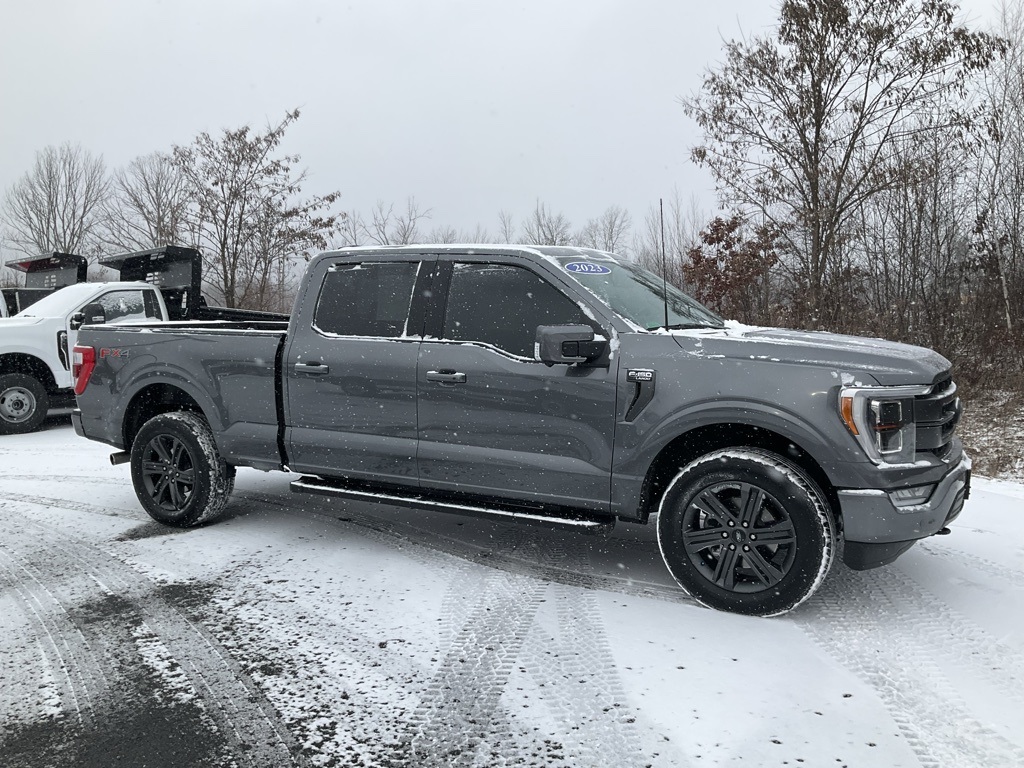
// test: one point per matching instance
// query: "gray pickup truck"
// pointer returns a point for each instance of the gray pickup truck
(559, 386)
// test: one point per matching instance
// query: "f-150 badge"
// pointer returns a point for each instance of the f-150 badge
(644, 393)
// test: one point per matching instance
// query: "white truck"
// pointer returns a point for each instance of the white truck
(35, 371)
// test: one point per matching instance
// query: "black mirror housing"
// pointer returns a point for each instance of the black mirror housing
(568, 344)
(91, 313)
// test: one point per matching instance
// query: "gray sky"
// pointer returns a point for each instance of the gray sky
(472, 107)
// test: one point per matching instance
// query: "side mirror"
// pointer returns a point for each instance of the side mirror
(570, 344)
(91, 313)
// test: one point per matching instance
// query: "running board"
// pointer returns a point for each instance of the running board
(576, 521)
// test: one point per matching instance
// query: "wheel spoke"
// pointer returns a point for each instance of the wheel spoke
(175, 491)
(707, 502)
(780, 533)
(751, 502)
(177, 449)
(766, 573)
(725, 568)
(161, 486)
(696, 541)
(160, 449)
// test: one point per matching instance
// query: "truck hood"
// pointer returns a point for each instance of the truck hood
(19, 322)
(865, 359)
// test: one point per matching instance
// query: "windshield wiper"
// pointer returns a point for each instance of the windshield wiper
(685, 327)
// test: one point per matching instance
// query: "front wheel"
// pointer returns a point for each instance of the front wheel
(747, 531)
(23, 403)
(179, 477)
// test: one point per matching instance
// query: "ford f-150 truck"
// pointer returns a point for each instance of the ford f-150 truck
(35, 373)
(550, 385)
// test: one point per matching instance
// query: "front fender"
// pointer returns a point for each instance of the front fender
(639, 445)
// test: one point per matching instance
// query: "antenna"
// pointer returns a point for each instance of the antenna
(664, 265)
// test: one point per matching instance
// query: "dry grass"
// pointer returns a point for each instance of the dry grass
(992, 429)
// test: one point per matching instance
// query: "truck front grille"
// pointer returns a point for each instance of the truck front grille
(936, 415)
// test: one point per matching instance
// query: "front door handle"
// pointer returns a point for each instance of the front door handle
(315, 367)
(446, 377)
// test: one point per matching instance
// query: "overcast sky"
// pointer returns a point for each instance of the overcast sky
(472, 107)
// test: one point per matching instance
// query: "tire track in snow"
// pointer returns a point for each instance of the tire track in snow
(470, 715)
(228, 697)
(67, 658)
(343, 687)
(936, 625)
(854, 617)
(456, 712)
(12, 501)
(598, 727)
(1010, 576)
(424, 545)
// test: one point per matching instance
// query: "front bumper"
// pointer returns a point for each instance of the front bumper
(877, 531)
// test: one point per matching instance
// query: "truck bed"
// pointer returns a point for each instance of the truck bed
(230, 369)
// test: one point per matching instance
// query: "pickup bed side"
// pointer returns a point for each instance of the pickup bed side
(231, 376)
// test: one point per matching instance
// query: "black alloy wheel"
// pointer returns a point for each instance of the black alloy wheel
(179, 477)
(747, 531)
(168, 473)
(739, 537)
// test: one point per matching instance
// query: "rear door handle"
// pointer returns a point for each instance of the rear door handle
(315, 367)
(446, 377)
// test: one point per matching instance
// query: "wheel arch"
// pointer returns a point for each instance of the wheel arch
(152, 400)
(20, 362)
(706, 438)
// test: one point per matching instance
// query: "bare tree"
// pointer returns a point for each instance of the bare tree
(246, 212)
(57, 206)
(478, 235)
(148, 205)
(683, 222)
(390, 228)
(444, 234)
(351, 231)
(999, 231)
(799, 127)
(608, 232)
(546, 228)
(506, 227)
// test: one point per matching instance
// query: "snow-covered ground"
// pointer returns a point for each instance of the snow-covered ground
(304, 631)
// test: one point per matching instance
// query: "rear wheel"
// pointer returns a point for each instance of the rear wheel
(23, 403)
(746, 531)
(179, 477)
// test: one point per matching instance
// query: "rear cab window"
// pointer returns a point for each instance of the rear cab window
(366, 299)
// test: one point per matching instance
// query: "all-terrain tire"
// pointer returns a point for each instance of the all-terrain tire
(179, 476)
(23, 403)
(747, 531)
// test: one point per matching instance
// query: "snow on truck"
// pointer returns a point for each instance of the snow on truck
(559, 386)
(35, 346)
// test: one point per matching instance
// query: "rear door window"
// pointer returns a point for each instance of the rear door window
(366, 299)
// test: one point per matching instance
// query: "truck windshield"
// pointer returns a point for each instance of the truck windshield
(638, 295)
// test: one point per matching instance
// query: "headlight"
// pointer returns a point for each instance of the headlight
(882, 421)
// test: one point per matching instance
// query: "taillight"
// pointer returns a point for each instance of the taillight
(83, 360)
